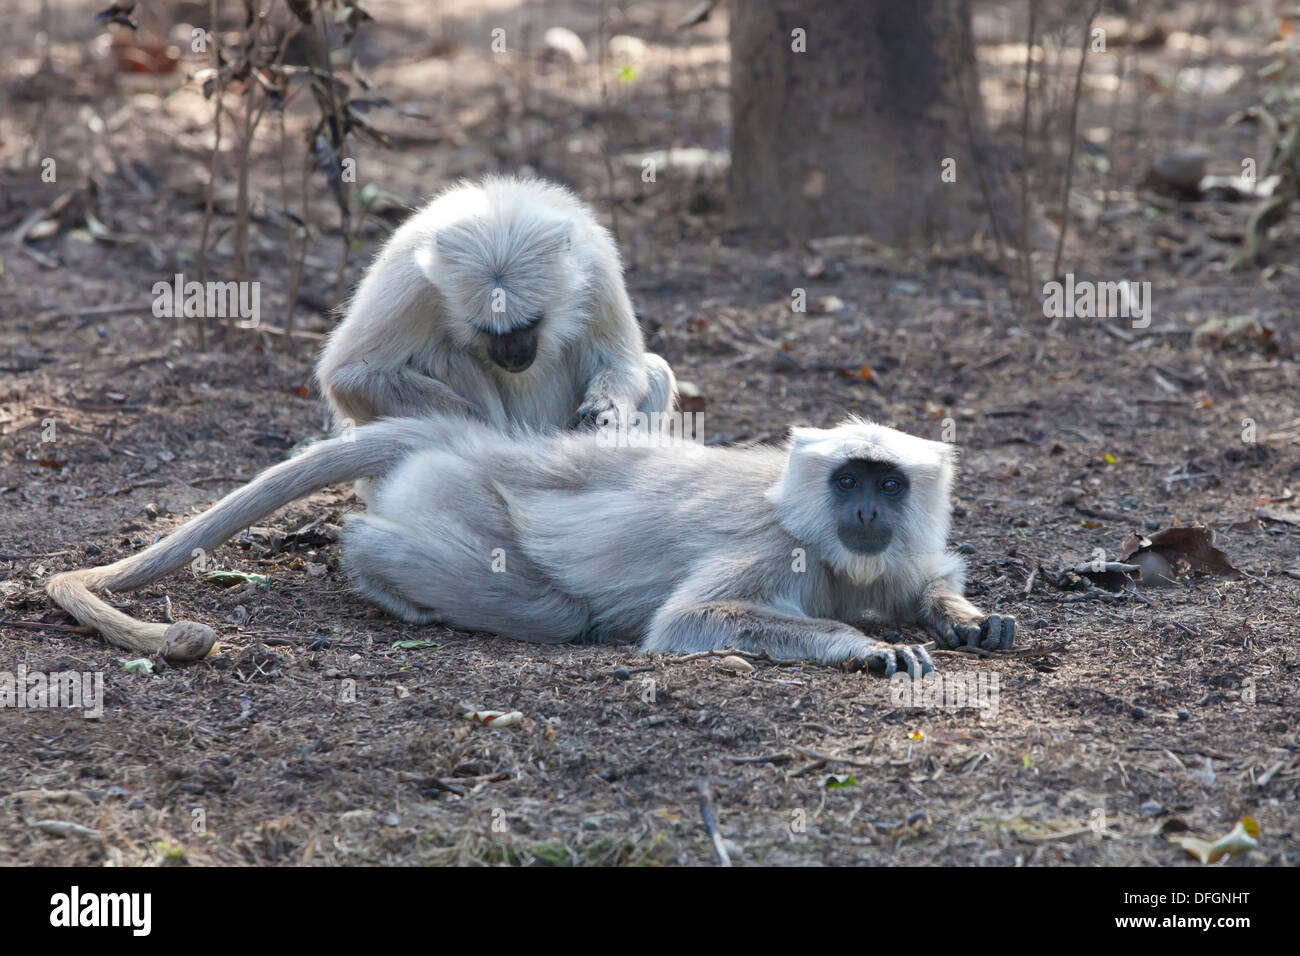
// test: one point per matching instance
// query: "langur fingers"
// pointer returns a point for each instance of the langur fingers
(991, 633)
(882, 658)
(594, 414)
(998, 632)
(915, 659)
(1008, 631)
(946, 636)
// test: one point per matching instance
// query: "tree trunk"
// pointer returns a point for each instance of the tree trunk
(854, 134)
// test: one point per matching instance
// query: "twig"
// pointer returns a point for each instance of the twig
(818, 755)
(1025, 248)
(711, 823)
(68, 311)
(218, 92)
(1074, 136)
(765, 758)
(38, 626)
(1025, 652)
(732, 652)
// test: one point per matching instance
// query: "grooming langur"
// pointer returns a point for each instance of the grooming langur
(503, 299)
(682, 547)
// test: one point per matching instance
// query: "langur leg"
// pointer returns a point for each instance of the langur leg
(715, 625)
(955, 621)
(663, 386)
(457, 576)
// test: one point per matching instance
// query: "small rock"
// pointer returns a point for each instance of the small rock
(1137, 713)
(621, 673)
(566, 44)
(966, 549)
(1151, 809)
(1184, 715)
(389, 819)
(737, 664)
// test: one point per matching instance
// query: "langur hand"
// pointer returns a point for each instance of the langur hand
(596, 411)
(957, 622)
(888, 658)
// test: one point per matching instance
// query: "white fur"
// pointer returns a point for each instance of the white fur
(491, 255)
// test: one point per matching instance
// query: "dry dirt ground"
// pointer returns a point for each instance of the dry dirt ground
(317, 737)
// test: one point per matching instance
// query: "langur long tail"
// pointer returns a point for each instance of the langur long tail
(371, 452)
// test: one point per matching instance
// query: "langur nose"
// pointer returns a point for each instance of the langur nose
(514, 351)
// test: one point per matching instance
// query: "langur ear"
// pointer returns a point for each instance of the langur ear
(802, 437)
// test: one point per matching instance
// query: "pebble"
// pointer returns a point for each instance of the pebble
(1138, 713)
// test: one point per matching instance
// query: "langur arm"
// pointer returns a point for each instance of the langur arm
(363, 393)
(618, 382)
(714, 625)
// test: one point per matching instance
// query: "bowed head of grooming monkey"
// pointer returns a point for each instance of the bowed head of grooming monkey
(503, 299)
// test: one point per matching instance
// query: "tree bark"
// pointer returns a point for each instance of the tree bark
(851, 136)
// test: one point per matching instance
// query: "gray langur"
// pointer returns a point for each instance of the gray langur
(678, 546)
(502, 299)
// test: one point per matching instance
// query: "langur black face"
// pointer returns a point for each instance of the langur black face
(869, 497)
(515, 350)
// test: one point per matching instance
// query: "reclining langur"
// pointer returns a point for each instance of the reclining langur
(503, 299)
(682, 548)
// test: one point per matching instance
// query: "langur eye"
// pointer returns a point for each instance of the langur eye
(891, 486)
(847, 482)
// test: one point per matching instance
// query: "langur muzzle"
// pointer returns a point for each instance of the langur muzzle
(515, 350)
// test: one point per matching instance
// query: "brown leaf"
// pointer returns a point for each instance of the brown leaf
(1186, 550)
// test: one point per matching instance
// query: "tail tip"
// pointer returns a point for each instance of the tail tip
(187, 641)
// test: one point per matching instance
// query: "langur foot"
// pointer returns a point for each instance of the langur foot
(888, 657)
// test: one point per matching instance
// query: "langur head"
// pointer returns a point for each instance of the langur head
(506, 268)
(865, 496)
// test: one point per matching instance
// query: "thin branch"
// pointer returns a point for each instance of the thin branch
(1074, 137)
